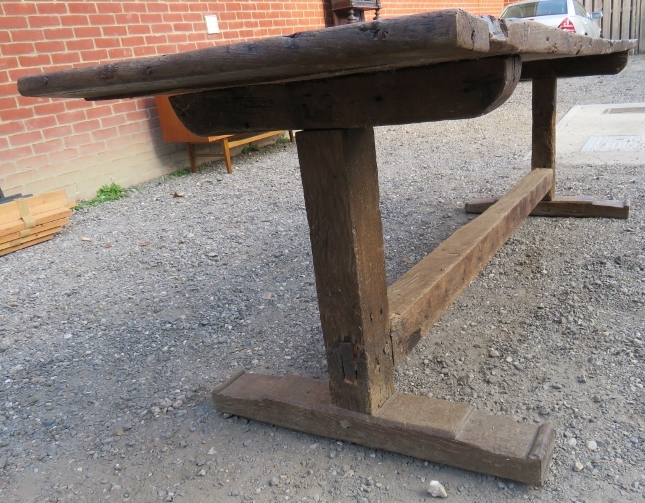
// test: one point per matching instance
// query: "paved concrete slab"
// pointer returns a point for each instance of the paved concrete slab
(602, 134)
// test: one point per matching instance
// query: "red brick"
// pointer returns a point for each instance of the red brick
(128, 18)
(94, 56)
(81, 7)
(13, 22)
(7, 128)
(63, 155)
(83, 44)
(107, 42)
(31, 162)
(98, 111)
(49, 108)
(76, 104)
(121, 107)
(57, 132)
(74, 20)
(114, 120)
(133, 41)
(71, 117)
(175, 38)
(172, 17)
(157, 7)
(50, 46)
(51, 8)
(134, 7)
(77, 139)
(115, 31)
(151, 18)
(5, 36)
(109, 7)
(85, 126)
(182, 27)
(120, 53)
(16, 49)
(43, 21)
(102, 19)
(58, 33)
(104, 134)
(138, 29)
(16, 153)
(87, 32)
(7, 103)
(95, 147)
(147, 50)
(65, 58)
(36, 60)
(26, 138)
(193, 17)
(161, 28)
(48, 146)
(152, 40)
(18, 8)
(40, 122)
(16, 114)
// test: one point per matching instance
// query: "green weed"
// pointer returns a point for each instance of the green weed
(111, 192)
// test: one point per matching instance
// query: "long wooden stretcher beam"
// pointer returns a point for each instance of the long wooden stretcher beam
(422, 294)
(441, 431)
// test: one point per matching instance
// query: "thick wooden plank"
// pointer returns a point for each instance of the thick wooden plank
(615, 19)
(397, 42)
(422, 294)
(417, 40)
(446, 432)
(21, 246)
(33, 233)
(39, 218)
(41, 203)
(433, 93)
(543, 129)
(604, 64)
(565, 206)
(340, 182)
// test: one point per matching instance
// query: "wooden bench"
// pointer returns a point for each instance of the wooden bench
(444, 65)
(174, 131)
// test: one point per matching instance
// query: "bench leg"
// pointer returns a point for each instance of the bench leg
(191, 157)
(340, 182)
(543, 156)
(292, 137)
(543, 138)
(227, 155)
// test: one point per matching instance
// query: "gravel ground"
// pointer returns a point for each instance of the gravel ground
(110, 346)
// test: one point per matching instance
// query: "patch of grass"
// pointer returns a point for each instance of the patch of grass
(181, 172)
(112, 192)
(252, 147)
(283, 139)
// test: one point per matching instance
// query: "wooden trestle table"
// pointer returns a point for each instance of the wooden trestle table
(335, 85)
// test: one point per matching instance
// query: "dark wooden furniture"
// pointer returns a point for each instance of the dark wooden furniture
(353, 11)
(174, 131)
(427, 67)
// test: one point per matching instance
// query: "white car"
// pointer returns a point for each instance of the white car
(568, 15)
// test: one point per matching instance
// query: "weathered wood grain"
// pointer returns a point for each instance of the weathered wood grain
(544, 100)
(565, 206)
(604, 64)
(440, 431)
(398, 42)
(418, 40)
(340, 182)
(433, 93)
(422, 294)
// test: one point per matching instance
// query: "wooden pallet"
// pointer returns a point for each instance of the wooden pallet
(26, 221)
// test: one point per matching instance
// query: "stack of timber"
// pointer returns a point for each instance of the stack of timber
(26, 221)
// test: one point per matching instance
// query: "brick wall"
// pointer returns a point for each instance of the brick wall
(77, 145)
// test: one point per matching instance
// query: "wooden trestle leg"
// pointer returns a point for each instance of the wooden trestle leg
(543, 156)
(358, 403)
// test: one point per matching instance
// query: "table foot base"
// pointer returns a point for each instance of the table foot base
(564, 206)
(452, 433)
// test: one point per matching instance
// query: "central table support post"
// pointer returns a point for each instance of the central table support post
(543, 138)
(340, 182)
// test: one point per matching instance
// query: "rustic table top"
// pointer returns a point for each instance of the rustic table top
(408, 41)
